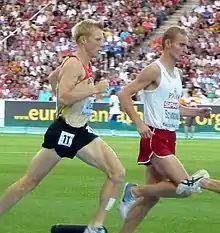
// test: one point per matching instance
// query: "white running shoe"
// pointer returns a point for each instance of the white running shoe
(95, 230)
(127, 200)
(191, 185)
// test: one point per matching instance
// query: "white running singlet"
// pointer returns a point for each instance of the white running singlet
(161, 105)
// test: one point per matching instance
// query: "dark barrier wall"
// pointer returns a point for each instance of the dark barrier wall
(41, 114)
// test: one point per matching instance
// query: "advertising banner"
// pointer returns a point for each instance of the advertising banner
(41, 114)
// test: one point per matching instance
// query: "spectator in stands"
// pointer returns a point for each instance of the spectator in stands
(39, 44)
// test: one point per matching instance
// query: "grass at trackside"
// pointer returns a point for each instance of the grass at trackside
(69, 194)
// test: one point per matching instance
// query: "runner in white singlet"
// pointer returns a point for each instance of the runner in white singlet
(163, 102)
(161, 87)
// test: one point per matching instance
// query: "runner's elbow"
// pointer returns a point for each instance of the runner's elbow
(62, 101)
(122, 95)
(65, 98)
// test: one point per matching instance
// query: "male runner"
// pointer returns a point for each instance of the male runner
(161, 87)
(114, 111)
(69, 136)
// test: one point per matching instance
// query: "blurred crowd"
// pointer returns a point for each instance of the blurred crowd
(29, 55)
(41, 41)
(201, 67)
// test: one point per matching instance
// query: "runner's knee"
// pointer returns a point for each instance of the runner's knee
(117, 174)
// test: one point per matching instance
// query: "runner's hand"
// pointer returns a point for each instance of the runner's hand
(144, 130)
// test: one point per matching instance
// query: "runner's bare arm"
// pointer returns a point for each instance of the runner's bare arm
(70, 90)
(146, 77)
(188, 111)
(53, 79)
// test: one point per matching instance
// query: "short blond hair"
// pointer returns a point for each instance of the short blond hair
(85, 28)
(171, 32)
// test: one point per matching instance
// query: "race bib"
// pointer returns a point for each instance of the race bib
(171, 115)
(88, 107)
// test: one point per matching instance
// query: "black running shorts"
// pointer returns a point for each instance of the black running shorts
(67, 140)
